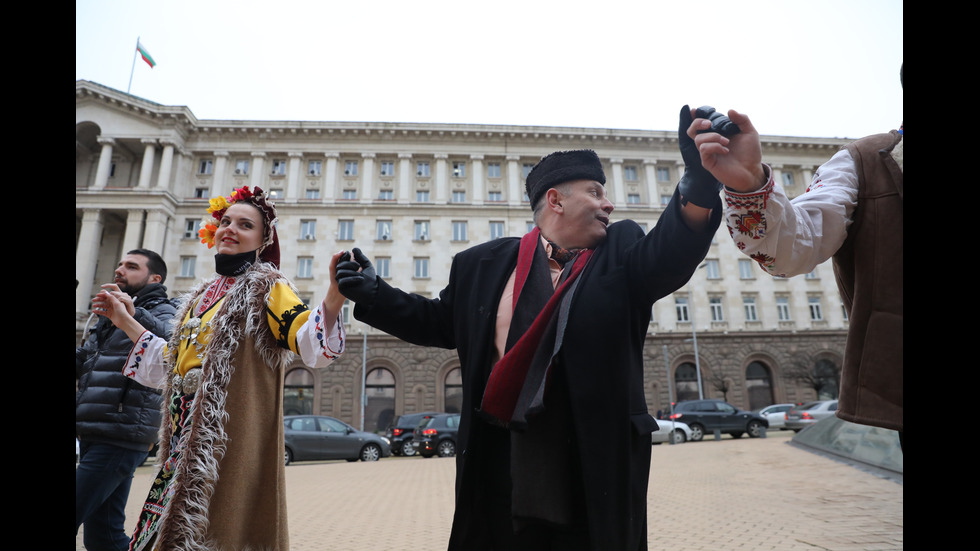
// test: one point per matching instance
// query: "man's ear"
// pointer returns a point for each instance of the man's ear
(553, 198)
(155, 278)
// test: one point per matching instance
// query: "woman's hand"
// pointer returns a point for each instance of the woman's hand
(334, 300)
(118, 307)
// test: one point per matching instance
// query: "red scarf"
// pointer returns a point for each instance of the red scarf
(510, 374)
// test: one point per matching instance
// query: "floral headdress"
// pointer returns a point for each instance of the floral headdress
(257, 198)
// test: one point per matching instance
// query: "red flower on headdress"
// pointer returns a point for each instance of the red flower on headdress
(241, 194)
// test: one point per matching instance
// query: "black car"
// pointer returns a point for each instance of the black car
(437, 435)
(316, 437)
(711, 415)
(401, 430)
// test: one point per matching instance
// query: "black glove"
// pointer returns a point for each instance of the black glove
(719, 123)
(357, 279)
(697, 185)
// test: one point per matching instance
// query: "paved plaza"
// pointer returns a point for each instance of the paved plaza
(746, 494)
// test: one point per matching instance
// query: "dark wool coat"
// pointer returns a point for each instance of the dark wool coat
(602, 359)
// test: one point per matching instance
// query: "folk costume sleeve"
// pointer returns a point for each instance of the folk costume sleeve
(146, 363)
(789, 238)
(318, 341)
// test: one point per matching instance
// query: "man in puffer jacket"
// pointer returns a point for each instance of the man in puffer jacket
(116, 418)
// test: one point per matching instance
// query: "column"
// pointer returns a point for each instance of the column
(514, 193)
(156, 231)
(650, 173)
(479, 194)
(367, 178)
(293, 191)
(442, 178)
(132, 239)
(220, 166)
(146, 167)
(166, 165)
(258, 165)
(614, 189)
(86, 257)
(105, 163)
(330, 171)
(404, 178)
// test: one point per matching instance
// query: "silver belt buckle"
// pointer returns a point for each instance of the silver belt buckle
(190, 382)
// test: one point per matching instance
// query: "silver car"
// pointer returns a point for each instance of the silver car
(801, 417)
(680, 432)
(775, 414)
(316, 437)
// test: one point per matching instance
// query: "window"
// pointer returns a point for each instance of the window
(422, 169)
(459, 230)
(495, 196)
(187, 264)
(633, 198)
(382, 266)
(345, 230)
(812, 274)
(307, 229)
(496, 230)
(663, 174)
(782, 309)
(191, 225)
(387, 168)
(787, 179)
(276, 193)
(749, 304)
(386, 195)
(315, 168)
(717, 309)
(745, 269)
(422, 196)
(206, 166)
(459, 197)
(112, 169)
(680, 304)
(493, 170)
(664, 200)
(384, 230)
(345, 312)
(380, 405)
(241, 167)
(629, 173)
(453, 391)
(304, 267)
(422, 230)
(816, 312)
(526, 169)
(459, 169)
(421, 267)
(349, 194)
(350, 168)
(313, 193)
(202, 193)
(711, 269)
(529, 226)
(278, 167)
(843, 309)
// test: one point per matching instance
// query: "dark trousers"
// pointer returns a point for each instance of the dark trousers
(102, 481)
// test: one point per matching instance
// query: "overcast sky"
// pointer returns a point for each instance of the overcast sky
(816, 68)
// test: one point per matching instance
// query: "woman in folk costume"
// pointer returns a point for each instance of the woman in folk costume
(221, 482)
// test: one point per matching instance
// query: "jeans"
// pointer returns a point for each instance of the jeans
(102, 480)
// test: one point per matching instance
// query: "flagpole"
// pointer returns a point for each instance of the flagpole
(133, 68)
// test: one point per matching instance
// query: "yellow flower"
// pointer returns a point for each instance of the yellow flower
(218, 203)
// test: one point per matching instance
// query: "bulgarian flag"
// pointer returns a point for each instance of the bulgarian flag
(145, 54)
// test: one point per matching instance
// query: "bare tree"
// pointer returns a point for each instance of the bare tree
(721, 384)
(822, 376)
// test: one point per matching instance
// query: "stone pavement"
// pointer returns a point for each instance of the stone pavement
(746, 494)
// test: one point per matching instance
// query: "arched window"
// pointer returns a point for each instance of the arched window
(758, 380)
(297, 392)
(686, 382)
(453, 391)
(828, 375)
(380, 407)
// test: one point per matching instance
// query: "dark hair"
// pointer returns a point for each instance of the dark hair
(154, 263)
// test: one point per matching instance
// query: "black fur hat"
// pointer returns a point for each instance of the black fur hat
(560, 167)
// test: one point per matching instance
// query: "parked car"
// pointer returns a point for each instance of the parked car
(313, 437)
(710, 415)
(802, 416)
(437, 435)
(680, 432)
(775, 414)
(401, 430)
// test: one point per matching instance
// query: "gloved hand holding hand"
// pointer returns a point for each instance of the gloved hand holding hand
(719, 123)
(697, 185)
(357, 278)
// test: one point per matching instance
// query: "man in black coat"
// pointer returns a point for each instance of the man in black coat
(554, 438)
(116, 418)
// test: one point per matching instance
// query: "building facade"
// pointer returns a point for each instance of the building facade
(413, 195)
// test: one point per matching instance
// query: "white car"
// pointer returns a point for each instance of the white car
(776, 415)
(679, 431)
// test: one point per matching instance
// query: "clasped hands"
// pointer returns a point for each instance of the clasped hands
(726, 149)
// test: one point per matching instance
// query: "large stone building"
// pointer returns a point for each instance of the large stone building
(413, 195)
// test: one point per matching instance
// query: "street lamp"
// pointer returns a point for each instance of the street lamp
(363, 332)
(694, 331)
